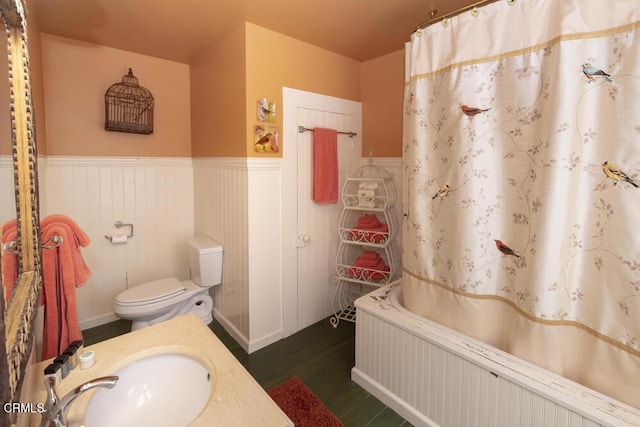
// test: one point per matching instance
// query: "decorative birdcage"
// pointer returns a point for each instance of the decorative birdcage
(128, 107)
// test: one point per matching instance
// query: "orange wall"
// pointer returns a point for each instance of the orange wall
(275, 60)
(218, 87)
(37, 94)
(5, 119)
(207, 108)
(76, 77)
(382, 98)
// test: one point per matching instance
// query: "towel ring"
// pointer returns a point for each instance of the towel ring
(11, 247)
(52, 242)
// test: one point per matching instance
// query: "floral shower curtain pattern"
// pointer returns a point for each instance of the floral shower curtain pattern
(521, 174)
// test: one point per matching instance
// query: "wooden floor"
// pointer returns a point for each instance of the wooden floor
(320, 355)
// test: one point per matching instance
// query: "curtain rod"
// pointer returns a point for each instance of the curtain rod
(455, 12)
(302, 129)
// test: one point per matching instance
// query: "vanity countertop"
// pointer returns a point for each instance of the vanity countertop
(237, 399)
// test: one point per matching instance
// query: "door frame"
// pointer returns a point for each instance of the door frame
(292, 100)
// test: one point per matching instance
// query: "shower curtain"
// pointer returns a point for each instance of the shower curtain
(521, 168)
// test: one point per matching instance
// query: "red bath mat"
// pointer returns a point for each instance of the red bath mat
(303, 407)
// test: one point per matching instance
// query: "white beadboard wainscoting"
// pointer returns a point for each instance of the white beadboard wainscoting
(238, 202)
(7, 191)
(153, 194)
(434, 376)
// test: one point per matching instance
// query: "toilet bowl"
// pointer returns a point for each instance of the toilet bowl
(159, 300)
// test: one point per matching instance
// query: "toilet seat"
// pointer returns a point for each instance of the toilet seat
(151, 292)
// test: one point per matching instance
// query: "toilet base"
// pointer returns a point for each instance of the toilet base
(200, 304)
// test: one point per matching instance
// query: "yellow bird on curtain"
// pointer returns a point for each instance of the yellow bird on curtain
(616, 174)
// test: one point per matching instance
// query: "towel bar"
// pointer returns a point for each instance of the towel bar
(51, 243)
(302, 129)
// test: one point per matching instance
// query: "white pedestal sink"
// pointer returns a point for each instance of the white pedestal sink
(164, 390)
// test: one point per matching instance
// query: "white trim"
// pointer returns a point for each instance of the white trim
(240, 163)
(255, 345)
(231, 329)
(97, 321)
(117, 161)
(385, 396)
(247, 345)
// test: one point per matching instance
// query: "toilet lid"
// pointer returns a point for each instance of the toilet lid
(151, 292)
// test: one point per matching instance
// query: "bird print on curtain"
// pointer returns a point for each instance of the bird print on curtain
(592, 72)
(616, 174)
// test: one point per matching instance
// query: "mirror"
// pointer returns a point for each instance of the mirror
(20, 305)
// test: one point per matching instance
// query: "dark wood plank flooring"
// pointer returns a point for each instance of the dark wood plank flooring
(321, 356)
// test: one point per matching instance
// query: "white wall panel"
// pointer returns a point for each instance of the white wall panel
(153, 194)
(221, 213)
(238, 203)
(265, 252)
(7, 192)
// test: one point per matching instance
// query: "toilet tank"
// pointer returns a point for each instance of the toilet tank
(205, 261)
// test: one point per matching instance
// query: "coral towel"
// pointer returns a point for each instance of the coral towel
(325, 165)
(63, 270)
(9, 260)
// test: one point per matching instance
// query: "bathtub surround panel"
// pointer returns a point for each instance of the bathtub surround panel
(238, 203)
(434, 376)
(153, 194)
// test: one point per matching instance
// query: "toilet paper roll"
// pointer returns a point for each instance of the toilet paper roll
(118, 238)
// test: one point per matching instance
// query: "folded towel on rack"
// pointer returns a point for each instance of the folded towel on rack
(362, 271)
(79, 235)
(9, 260)
(325, 165)
(368, 221)
(79, 238)
(63, 270)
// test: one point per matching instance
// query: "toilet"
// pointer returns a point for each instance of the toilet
(153, 302)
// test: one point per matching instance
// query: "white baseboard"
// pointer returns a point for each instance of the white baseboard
(232, 330)
(247, 345)
(265, 341)
(97, 321)
(406, 411)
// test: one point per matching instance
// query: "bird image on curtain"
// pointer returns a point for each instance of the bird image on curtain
(521, 168)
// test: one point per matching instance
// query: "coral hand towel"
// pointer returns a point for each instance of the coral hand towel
(9, 260)
(325, 165)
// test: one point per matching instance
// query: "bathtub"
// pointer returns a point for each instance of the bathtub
(434, 376)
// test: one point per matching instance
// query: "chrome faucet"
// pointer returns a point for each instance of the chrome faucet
(56, 408)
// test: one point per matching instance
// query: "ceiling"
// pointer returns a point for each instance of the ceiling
(178, 29)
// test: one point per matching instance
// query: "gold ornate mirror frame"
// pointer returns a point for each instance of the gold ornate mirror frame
(20, 309)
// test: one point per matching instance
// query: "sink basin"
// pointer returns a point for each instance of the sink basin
(164, 390)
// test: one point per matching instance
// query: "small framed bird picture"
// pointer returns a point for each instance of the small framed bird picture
(265, 139)
(266, 111)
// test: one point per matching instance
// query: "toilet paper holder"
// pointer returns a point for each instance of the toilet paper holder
(118, 225)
